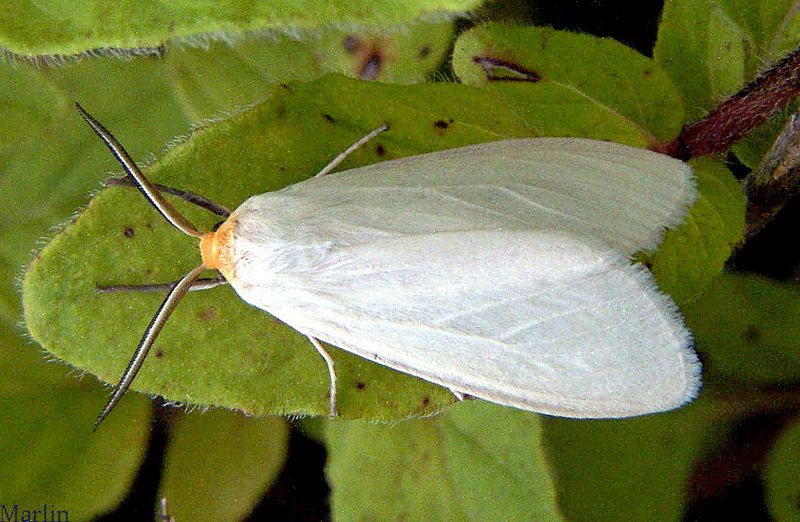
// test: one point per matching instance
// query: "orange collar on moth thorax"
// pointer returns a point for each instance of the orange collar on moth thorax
(216, 248)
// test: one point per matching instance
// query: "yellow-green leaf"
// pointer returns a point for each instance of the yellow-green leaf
(748, 328)
(49, 455)
(477, 461)
(53, 28)
(628, 469)
(692, 255)
(782, 487)
(589, 79)
(238, 457)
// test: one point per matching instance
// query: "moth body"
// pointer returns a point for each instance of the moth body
(478, 280)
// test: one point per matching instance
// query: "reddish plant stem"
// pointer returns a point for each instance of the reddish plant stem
(739, 114)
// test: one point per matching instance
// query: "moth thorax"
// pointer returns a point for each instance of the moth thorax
(216, 249)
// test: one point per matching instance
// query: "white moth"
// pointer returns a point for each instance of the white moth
(498, 270)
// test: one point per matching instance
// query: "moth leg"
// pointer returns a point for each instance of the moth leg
(200, 284)
(459, 395)
(163, 512)
(329, 361)
(352, 148)
(191, 197)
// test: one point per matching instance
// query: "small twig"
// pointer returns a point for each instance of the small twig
(776, 181)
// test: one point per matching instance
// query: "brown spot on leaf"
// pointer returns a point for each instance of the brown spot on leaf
(424, 52)
(360, 385)
(159, 353)
(751, 334)
(328, 117)
(371, 68)
(380, 151)
(351, 44)
(207, 313)
(440, 126)
(128, 232)
(426, 400)
(500, 70)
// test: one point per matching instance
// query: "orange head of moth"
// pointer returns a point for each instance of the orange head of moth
(216, 248)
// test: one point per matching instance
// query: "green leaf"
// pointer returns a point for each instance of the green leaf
(629, 469)
(748, 329)
(50, 163)
(782, 487)
(703, 49)
(589, 80)
(239, 457)
(212, 81)
(46, 460)
(693, 254)
(478, 461)
(33, 28)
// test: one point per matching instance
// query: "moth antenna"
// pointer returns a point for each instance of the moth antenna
(149, 337)
(152, 194)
